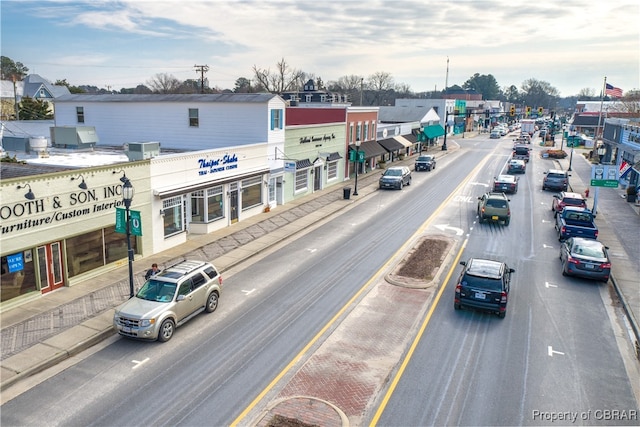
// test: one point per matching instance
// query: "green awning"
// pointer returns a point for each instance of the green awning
(433, 131)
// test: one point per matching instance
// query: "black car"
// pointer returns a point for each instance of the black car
(425, 163)
(505, 184)
(395, 177)
(483, 284)
(586, 258)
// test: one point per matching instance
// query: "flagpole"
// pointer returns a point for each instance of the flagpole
(595, 139)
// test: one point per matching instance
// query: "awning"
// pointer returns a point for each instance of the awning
(170, 192)
(390, 144)
(434, 131)
(411, 138)
(371, 149)
(303, 164)
(333, 157)
(402, 140)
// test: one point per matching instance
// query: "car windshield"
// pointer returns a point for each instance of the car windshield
(590, 251)
(522, 150)
(393, 172)
(496, 203)
(155, 290)
(487, 283)
(555, 175)
(424, 158)
(506, 178)
(573, 202)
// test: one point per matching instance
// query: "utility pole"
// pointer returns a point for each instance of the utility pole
(201, 69)
(361, 87)
(446, 79)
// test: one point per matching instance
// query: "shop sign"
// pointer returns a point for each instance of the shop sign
(221, 164)
(15, 262)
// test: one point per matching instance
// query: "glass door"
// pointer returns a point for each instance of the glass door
(50, 265)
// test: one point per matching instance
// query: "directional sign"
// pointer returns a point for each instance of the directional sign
(604, 176)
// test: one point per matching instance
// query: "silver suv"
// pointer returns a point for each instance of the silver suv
(168, 300)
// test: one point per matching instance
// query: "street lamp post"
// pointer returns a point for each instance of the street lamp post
(446, 128)
(127, 197)
(356, 165)
(570, 158)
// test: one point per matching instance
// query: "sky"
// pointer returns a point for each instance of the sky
(425, 44)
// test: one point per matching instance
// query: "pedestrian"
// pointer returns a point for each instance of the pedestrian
(152, 271)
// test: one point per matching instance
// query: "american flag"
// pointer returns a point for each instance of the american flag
(616, 92)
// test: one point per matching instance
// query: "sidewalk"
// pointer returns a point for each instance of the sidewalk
(49, 329)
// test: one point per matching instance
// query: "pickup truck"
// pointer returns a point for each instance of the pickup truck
(576, 222)
(521, 152)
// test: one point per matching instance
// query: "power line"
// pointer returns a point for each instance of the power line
(202, 69)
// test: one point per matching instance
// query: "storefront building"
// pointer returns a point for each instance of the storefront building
(621, 139)
(314, 149)
(202, 191)
(59, 228)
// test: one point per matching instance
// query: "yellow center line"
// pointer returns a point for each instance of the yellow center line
(344, 308)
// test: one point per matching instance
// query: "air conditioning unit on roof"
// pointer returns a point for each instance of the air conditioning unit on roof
(142, 150)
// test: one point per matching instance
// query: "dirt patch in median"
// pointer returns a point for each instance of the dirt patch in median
(423, 262)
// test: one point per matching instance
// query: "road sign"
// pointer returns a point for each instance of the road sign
(604, 176)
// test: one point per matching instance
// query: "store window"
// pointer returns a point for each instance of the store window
(95, 249)
(14, 283)
(332, 170)
(251, 192)
(173, 217)
(301, 180)
(207, 205)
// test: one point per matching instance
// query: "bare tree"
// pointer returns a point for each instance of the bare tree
(586, 93)
(164, 83)
(380, 81)
(282, 80)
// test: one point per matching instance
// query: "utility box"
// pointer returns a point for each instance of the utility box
(141, 150)
(74, 137)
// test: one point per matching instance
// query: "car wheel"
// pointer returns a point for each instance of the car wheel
(401, 185)
(409, 182)
(212, 302)
(166, 330)
(456, 306)
(506, 221)
(564, 269)
(501, 314)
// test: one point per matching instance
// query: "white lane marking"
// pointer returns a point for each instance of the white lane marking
(247, 293)
(443, 227)
(545, 246)
(312, 250)
(550, 285)
(138, 363)
(551, 352)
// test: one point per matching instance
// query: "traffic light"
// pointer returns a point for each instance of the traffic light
(540, 110)
(512, 110)
(528, 110)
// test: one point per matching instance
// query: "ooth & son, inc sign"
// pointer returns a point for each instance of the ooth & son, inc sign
(51, 210)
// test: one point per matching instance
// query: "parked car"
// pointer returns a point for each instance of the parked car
(395, 177)
(516, 166)
(494, 206)
(505, 184)
(425, 162)
(483, 284)
(556, 179)
(168, 300)
(495, 134)
(576, 222)
(565, 198)
(586, 258)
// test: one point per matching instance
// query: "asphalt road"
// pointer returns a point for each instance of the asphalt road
(469, 368)
(554, 355)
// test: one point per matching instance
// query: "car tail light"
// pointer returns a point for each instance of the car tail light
(572, 260)
(605, 265)
(596, 234)
(220, 279)
(503, 298)
(563, 230)
(482, 209)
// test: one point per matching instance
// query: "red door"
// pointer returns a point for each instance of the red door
(50, 264)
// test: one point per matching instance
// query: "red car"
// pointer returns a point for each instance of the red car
(566, 198)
